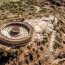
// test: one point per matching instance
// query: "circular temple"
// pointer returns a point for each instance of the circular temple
(15, 31)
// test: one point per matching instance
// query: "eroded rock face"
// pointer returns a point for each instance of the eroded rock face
(42, 27)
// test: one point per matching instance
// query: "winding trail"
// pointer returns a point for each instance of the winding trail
(51, 50)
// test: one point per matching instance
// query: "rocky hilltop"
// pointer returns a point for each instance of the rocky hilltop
(47, 46)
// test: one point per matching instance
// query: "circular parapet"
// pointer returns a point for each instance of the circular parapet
(16, 33)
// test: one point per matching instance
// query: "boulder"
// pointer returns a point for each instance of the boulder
(58, 2)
